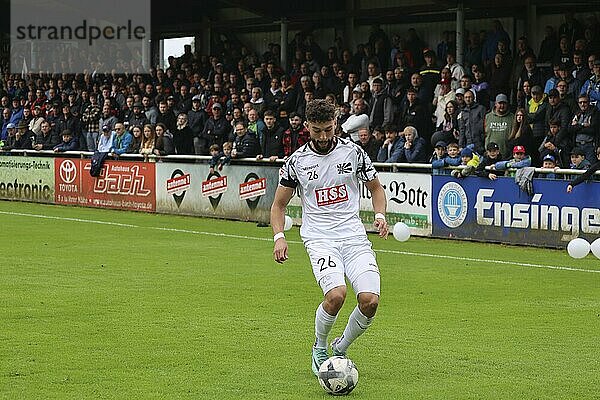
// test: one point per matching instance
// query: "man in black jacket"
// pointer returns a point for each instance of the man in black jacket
(368, 143)
(245, 144)
(584, 127)
(47, 138)
(272, 145)
(216, 129)
(197, 118)
(414, 113)
(166, 116)
(557, 111)
(68, 121)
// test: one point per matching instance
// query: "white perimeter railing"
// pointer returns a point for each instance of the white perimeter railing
(389, 167)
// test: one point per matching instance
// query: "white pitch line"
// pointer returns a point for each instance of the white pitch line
(410, 253)
(227, 235)
(91, 221)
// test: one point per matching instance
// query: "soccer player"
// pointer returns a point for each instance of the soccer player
(326, 172)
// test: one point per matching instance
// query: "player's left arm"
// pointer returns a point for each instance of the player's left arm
(379, 206)
(283, 195)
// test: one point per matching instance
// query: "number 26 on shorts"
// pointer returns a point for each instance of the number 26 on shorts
(324, 264)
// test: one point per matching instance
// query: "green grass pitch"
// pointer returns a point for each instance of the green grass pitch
(169, 307)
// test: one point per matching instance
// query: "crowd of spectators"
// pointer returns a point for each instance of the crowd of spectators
(400, 99)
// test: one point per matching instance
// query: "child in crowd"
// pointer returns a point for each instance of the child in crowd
(437, 158)
(549, 162)
(470, 160)
(216, 154)
(226, 159)
(441, 159)
(554, 144)
(220, 158)
(519, 160)
(491, 157)
(576, 180)
(578, 160)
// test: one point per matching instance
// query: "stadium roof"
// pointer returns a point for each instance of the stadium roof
(248, 15)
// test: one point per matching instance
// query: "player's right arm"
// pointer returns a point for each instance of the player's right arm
(283, 195)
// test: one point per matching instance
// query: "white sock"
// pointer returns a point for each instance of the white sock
(357, 325)
(323, 324)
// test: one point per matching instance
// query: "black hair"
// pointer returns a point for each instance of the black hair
(320, 110)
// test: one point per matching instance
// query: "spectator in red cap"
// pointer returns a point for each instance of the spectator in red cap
(519, 160)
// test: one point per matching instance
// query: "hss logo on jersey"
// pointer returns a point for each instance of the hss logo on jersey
(331, 195)
(344, 168)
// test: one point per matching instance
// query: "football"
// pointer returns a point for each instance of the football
(338, 375)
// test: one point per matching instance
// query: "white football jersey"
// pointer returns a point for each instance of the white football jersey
(328, 186)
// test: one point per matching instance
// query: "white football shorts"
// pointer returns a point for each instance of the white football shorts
(353, 257)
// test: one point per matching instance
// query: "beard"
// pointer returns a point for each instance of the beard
(322, 146)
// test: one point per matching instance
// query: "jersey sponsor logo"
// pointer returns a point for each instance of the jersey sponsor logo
(344, 168)
(331, 195)
(310, 167)
(452, 205)
(215, 186)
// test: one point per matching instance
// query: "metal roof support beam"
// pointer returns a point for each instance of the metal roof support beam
(284, 44)
(532, 25)
(460, 29)
(349, 26)
(206, 35)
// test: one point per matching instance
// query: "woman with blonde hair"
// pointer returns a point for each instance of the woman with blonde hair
(148, 140)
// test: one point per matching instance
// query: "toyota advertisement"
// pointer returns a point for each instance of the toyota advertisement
(121, 184)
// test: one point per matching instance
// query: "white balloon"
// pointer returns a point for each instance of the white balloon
(578, 248)
(401, 232)
(287, 225)
(595, 247)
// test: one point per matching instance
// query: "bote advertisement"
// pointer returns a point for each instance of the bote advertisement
(237, 192)
(499, 211)
(408, 200)
(122, 184)
(27, 179)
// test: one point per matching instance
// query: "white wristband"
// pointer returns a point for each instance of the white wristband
(380, 216)
(278, 235)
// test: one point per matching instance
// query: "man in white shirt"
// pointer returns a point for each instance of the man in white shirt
(359, 119)
(326, 172)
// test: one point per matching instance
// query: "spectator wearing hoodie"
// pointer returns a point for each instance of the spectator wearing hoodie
(392, 146)
(469, 160)
(491, 157)
(69, 142)
(471, 123)
(519, 160)
(498, 124)
(415, 147)
(272, 144)
(444, 156)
